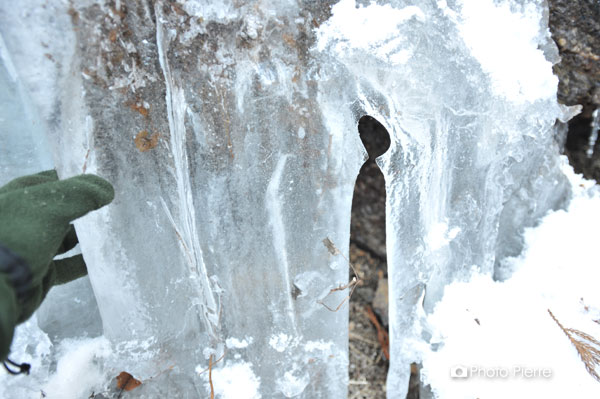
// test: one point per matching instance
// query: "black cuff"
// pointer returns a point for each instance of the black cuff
(17, 271)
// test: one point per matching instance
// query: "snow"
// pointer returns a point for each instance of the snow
(77, 372)
(439, 236)
(505, 43)
(234, 343)
(280, 342)
(499, 331)
(236, 381)
(375, 28)
(318, 346)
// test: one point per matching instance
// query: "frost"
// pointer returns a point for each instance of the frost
(280, 342)
(234, 343)
(322, 346)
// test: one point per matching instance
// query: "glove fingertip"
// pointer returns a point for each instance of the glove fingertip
(101, 189)
(69, 269)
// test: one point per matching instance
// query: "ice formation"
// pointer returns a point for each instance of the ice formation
(229, 132)
(530, 356)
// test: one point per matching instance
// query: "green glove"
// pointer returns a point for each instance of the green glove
(35, 216)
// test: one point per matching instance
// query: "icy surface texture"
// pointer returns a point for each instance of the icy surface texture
(24, 150)
(229, 132)
(466, 91)
(23, 146)
(228, 171)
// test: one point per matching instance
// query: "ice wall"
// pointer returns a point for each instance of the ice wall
(229, 132)
(24, 149)
(467, 93)
(23, 143)
(228, 176)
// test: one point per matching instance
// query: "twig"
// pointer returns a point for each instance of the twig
(382, 334)
(209, 363)
(587, 347)
(358, 382)
(212, 388)
(361, 338)
(209, 369)
(85, 160)
(356, 280)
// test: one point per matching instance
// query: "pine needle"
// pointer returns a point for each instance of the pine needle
(586, 345)
(212, 388)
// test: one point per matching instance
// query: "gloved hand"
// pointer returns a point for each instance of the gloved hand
(35, 216)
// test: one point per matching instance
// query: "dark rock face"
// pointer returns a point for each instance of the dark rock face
(575, 27)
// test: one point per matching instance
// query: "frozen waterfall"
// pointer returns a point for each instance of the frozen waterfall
(228, 129)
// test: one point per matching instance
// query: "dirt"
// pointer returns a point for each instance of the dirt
(368, 365)
(575, 27)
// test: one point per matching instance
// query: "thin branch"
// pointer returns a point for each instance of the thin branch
(382, 334)
(213, 364)
(212, 388)
(587, 347)
(356, 280)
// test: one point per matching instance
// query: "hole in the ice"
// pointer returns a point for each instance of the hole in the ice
(374, 136)
(369, 304)
(367, 229)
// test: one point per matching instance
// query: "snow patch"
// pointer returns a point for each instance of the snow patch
(280, 341)
(439, 236)
(234, 343)
(321, 345)
(503, 328)
(505, 42)
(235, 381)
(375, 28)
(78, 373)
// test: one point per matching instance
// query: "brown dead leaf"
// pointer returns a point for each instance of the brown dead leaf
(127, 382)
(289, 40)
(112, 35)
(140, 108)
(144, 142)
(74, 15)
(330, 246)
